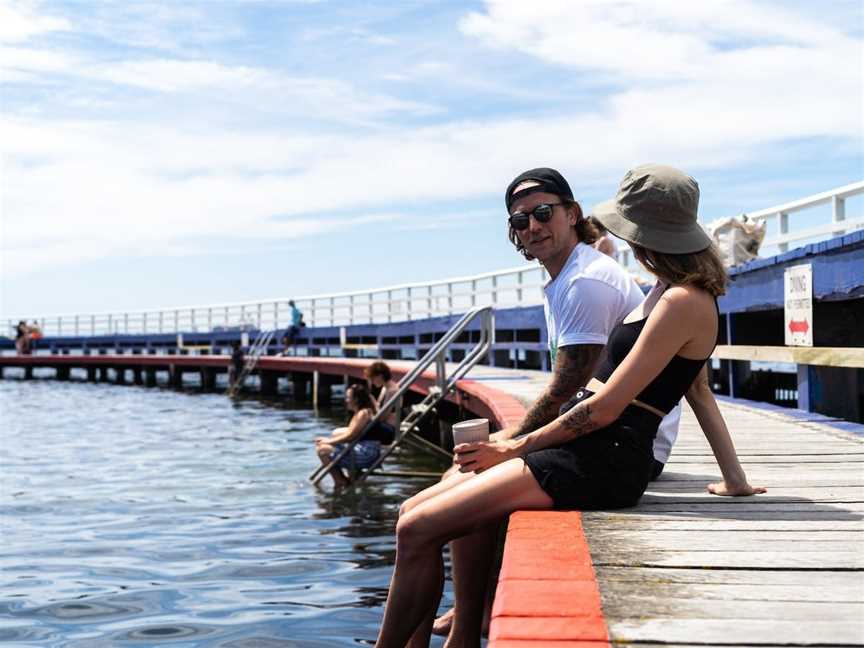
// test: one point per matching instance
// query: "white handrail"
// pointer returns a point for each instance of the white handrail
(517, 286)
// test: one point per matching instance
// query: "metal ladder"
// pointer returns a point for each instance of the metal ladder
(258, 348)
(444, 385)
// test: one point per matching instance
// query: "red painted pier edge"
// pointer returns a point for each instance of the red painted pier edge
(547, 591)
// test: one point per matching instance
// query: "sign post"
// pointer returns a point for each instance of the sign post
(798, 305)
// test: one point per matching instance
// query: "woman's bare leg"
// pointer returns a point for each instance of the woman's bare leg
(451, 478)
(422, 531)
(472, 557)
(325, 450)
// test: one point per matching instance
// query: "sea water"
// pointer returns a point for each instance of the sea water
(154, 517)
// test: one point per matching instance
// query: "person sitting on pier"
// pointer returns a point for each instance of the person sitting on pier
(365, 452)
(379, 376)
(597, 454)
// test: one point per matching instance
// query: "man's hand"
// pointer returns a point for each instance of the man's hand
(735, 490)
(482, 455)
(504, 434)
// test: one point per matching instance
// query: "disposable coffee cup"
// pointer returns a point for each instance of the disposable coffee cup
(471, 431)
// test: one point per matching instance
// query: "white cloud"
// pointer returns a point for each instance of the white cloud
(77, 190)
(21, 21)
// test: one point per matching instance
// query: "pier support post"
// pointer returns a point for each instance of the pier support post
(91, 374)
(322, 386)
(208, 379)
(103, 374)
(300, 386)
(62, 373)
(120, 375)
(175, 376)
(269, 382)
(28, 373)
(150, 377)
(137, 376)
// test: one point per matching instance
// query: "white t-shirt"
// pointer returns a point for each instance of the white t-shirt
(590, 295)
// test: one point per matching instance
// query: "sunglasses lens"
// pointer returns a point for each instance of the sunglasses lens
(519, 221)
(543, 213)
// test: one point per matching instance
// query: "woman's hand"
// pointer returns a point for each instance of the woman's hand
(482, 455)
(735, 490)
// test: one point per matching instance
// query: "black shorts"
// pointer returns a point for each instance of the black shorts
(605, 469)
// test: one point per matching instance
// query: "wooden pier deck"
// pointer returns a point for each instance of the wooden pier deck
(785, 568)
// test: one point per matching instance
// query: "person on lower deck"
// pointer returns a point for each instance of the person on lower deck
(599, 453)
(365, 452)
(381, 379)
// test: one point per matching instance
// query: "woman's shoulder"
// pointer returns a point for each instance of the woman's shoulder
(688, 300)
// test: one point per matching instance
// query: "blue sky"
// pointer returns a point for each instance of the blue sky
(168, 154)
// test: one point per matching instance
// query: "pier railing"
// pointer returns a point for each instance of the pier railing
(520, 286)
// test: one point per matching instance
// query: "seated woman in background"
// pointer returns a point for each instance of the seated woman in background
(359, 402)
(597, 454)
(379, 376)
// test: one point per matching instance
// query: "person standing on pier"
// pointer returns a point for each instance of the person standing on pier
(598, 453)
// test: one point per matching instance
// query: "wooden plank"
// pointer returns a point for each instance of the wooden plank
(726, 522)
(820, 356)
(646, 592)
(775, 494)
(845, 580)
(732, 559)
(741, 505)
(709, 542)
(684, 607)
(773, 632)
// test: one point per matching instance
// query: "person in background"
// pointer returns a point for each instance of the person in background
(603, 243)
(35, 335)
(22, 338)
(381, 380)
(296, 324)
(365, 452)
(237, 360)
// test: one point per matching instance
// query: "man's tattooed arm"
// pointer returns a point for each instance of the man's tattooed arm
(574, 366)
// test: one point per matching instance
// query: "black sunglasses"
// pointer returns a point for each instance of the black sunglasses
(542, 214)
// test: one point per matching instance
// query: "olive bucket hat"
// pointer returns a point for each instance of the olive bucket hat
(656, 207)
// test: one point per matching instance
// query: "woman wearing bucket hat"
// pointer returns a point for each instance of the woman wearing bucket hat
(598, 454)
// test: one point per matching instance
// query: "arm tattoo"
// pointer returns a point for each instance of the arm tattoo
(574, 366)
(578, 421)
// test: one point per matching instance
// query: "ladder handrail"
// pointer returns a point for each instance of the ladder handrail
(256, 350)
(443, 384)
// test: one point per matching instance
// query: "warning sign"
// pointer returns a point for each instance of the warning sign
(798, 305)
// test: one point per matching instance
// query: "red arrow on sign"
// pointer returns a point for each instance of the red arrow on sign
(799, 327)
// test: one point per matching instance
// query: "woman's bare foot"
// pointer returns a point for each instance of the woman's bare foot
(443, 623)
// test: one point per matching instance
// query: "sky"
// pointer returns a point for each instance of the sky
(159, 154)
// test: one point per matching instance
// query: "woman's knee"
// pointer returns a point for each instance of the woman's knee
(408, 505)
(413, 531)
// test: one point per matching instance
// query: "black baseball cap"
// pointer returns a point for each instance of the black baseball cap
(548, 180)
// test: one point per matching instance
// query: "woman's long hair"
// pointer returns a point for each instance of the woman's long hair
(362, 397)
(703, 269)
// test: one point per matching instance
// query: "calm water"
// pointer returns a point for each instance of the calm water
(136, 517)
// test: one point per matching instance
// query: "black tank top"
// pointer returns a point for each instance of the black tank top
(667, 388)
